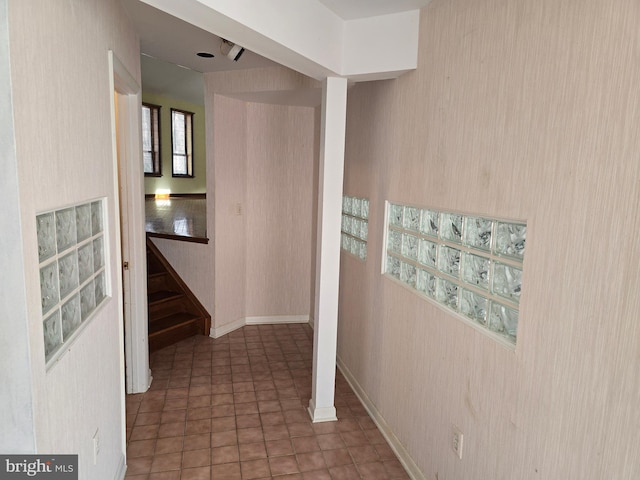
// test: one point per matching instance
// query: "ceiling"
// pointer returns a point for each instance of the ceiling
(352, 9)
(169, 62)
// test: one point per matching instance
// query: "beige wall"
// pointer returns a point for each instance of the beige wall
(230, 171)
(263, 161)
(260, 172)
(197, 184)
(527, 110)
(63, 135)
(279, 209)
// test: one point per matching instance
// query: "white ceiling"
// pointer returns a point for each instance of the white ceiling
(352, 9)
(172, 40)
(169, 45)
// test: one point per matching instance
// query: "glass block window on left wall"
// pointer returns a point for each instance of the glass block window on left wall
(355, 226)
(73, 271)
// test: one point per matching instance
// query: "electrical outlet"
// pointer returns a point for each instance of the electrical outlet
(96, 446)
(456, 441)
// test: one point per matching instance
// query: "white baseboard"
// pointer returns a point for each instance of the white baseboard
(277, 319)
(410, 466)
(403, 456)
(318, 415)
(122, 469)
(217, 332)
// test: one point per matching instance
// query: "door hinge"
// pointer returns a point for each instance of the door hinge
(125, 265)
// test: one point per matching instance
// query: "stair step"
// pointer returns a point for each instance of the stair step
(172, 329)
(163, 296)
(165, 308)
(157, 274)
(157, 282)
(153, 266)
(171, 322)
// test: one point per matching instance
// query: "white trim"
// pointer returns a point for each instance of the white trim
(17, 415)
(319, 415)
(217, 332)
(409, 465)
(130, 244)
(122, 469)
(269, 320)
(396, 445)
(136, 351)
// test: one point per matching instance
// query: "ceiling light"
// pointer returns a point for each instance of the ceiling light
(235, 51)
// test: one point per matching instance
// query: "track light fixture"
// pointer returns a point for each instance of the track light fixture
(235, 51)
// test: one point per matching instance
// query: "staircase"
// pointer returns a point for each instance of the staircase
(174, 311)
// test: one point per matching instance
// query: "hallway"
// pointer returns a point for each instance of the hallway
(235, 408)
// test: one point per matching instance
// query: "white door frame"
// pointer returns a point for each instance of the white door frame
(132, 283)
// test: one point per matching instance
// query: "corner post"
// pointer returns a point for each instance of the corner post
(332, 143)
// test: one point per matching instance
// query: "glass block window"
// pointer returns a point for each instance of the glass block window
(71, 252)
(355, 226)
(471, 265)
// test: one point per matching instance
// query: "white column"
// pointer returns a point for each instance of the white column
(332, 138)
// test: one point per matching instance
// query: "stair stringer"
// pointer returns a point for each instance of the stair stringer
(182, 286)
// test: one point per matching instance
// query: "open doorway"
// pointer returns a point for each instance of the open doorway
(131, 252)
(174, 150)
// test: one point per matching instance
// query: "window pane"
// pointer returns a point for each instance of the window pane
(150, 139)
(182, 148)
(146, 129)
(179, 165)
(148, 162)
(179, 133)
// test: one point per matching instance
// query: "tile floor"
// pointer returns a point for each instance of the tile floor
(235, 408)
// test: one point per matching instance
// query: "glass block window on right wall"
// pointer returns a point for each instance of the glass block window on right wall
(471, 265)
(355, 226)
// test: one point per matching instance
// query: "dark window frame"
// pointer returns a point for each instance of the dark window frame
(156, 143)
(188, 143)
